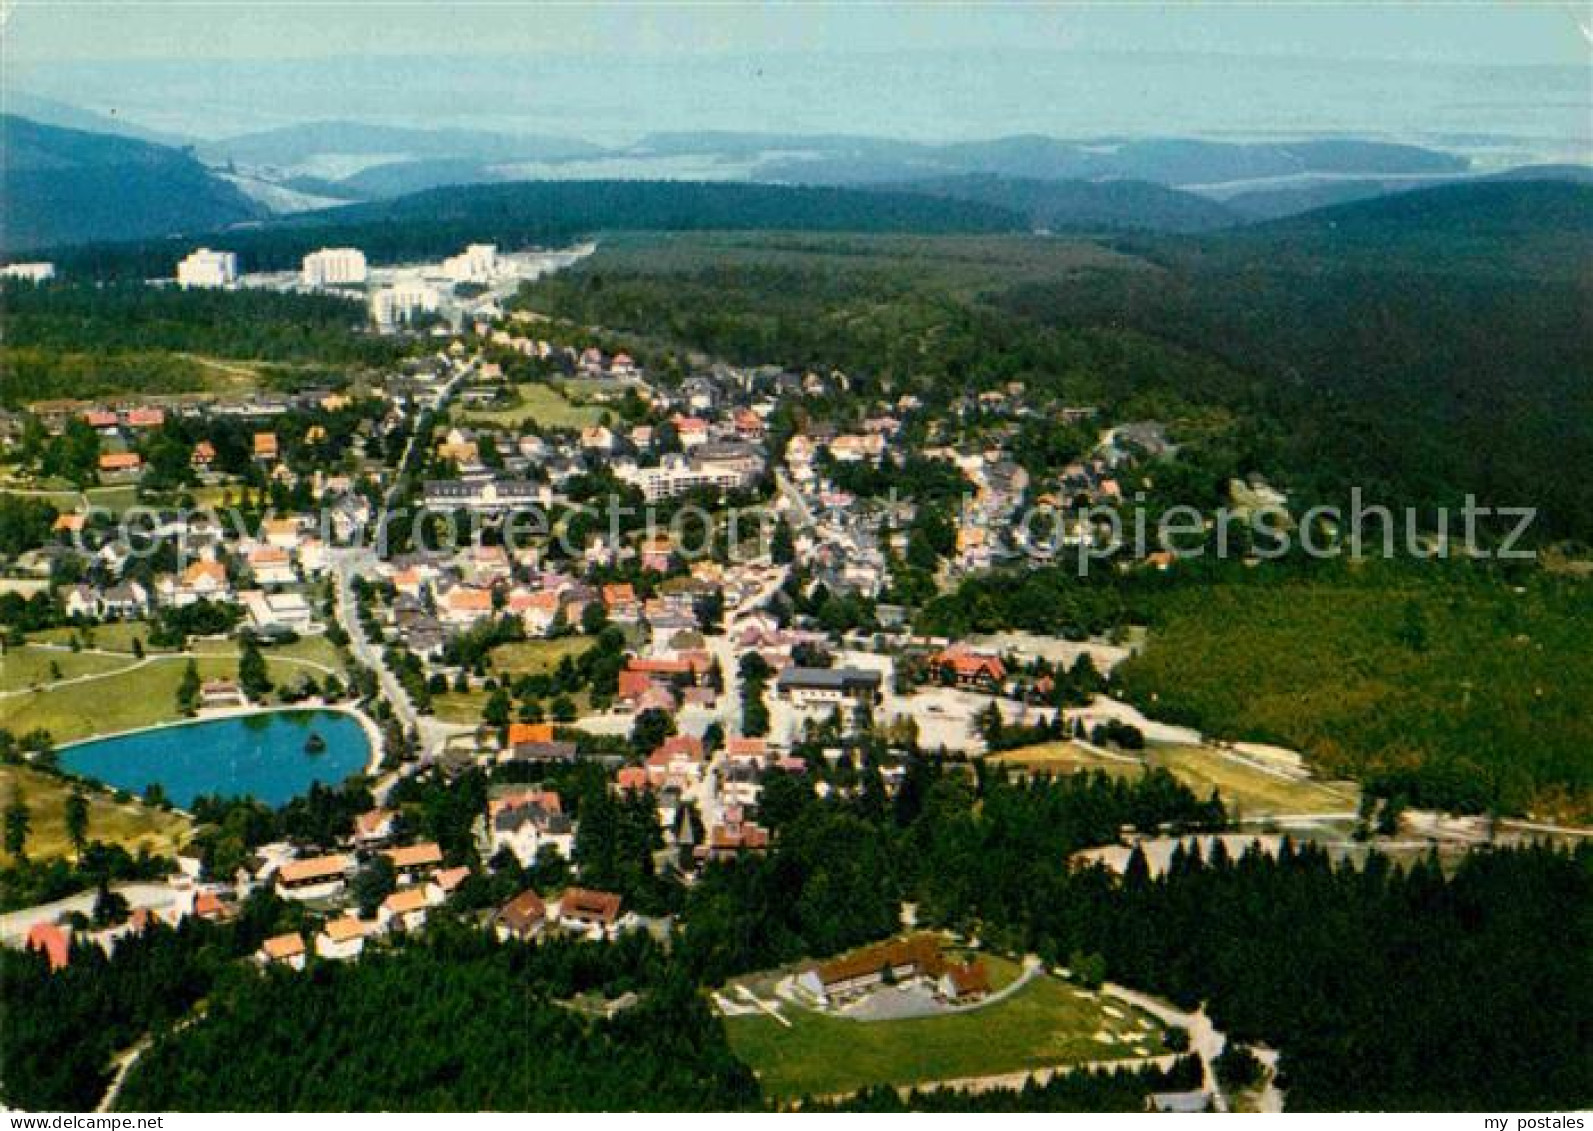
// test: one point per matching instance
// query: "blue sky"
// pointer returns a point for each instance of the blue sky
(58, 30)
(1507, 80)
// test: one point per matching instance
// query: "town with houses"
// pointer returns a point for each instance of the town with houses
(809, 559)
(542, 575)
(696, 643)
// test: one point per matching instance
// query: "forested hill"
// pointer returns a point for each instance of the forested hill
(64, 186)
(438, 221)
(678, 206)
(1086, 206)
(1534, 228)
(1421, 346)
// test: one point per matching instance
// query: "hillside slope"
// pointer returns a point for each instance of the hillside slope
(540, 213)
(1422, 346)
(1531, 228)
(1075, 205)
(679, 206)
(302, 142)
(60, 186)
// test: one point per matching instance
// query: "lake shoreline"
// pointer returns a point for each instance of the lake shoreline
(367, 763)
(373, 734)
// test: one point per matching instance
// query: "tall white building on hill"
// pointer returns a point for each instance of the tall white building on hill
(32, 272)
(333, 266)
(478, 263)
(206, 268)
(402, 302)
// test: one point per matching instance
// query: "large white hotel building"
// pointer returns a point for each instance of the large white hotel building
(333, 266)
(206, 268)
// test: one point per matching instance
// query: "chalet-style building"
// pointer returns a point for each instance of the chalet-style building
(918, 956)
(314, 878)
(523, 917)
(966, 668)
(593, 913)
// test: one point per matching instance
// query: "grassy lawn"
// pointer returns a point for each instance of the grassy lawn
(465, 707)
(1059, 758)
(522, 657)
(1047, 1022)
(216, 494)
(115, 498)
(64, 500)
(130, 824)
(317, 650)
(28, 666)
(459, 706)
(533, 657)
(119, 637)
(542, 403)
(116, 637)
(1255, 792)
(141, 696)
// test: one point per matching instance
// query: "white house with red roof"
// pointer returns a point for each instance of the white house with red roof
(286, 950)
(343, 939)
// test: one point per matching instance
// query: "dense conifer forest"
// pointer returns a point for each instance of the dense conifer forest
(1383, 988)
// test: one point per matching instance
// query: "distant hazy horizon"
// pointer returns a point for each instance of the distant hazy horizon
(614, 73)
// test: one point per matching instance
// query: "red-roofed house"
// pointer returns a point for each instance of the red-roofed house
(966, 981)
(53, 941)
(679, 758)
(630, 779)
(342, 938)
(538, 611)
(522, 917)
(621, 603)
(967, 668)
(593, 913)
(749, 425)
(404, 910)
(286, 949)
(687, 667)
(210, 906)
(464, 605)
(735, 836)
(413, 860)
(121, 463)
(529, 732)
(315, 877)
(632, 687)
(751, 750)
(374, 828)
(692, 430)
(265, 446)
(444, 882)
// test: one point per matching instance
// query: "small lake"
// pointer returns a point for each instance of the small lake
(262, 756)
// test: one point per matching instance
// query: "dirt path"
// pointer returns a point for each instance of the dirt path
(124, 1063)
(325, 669)
(1043, 1075)
(89, 678)
(1205, 1039)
